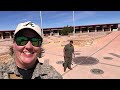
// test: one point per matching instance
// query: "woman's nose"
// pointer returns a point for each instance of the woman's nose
(29, 45)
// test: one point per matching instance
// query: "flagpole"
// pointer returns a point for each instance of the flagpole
(41, 23)
(73, 24)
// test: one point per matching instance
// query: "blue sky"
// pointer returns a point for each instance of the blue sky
(50, 19)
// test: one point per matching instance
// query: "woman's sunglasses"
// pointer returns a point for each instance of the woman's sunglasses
(23, 40)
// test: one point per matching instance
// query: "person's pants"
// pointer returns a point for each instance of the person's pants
(67, 62)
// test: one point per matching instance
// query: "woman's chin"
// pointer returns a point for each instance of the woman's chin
(28, 60)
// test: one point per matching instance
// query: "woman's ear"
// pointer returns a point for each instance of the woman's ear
(11, 50)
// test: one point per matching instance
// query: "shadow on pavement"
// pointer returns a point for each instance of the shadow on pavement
(85, 60)
(59, 62)
(108, 58)
(115, 55)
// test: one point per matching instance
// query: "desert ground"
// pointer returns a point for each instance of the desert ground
(97, 54)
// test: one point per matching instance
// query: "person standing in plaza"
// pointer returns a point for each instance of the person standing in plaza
(68, 55)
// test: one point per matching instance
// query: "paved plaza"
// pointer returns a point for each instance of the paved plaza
(100, 60)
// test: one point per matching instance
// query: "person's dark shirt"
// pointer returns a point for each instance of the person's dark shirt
(27, 74)
(68, 50)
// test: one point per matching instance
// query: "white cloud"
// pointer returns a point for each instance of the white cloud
(33, 15)
(68, 18)
(84, 14)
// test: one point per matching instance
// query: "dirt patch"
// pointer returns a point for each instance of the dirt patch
(5, 58)
(5, 45)
(85, 39)
(83, 43)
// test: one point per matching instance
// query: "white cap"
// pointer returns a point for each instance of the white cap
(30, 25)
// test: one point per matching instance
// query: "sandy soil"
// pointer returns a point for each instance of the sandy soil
(81, 40)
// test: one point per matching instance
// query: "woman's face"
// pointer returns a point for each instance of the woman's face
(26, 56)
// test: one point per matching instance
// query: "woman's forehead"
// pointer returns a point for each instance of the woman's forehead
(29, 33)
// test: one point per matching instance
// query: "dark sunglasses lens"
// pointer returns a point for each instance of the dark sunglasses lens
(21, 41)
(36, 42)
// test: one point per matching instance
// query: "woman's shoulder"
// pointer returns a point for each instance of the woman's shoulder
(50, 71)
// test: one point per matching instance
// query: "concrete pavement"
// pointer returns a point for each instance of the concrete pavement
(103, 54)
